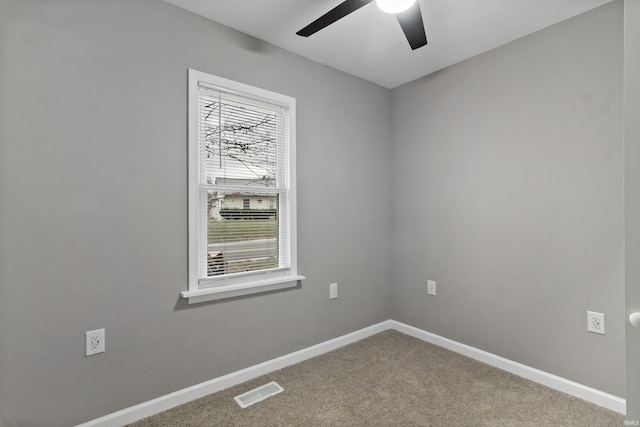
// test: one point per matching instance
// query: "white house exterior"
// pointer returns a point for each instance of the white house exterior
(238, 204)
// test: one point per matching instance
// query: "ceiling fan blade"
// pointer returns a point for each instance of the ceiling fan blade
(338, 12)
(411, 22)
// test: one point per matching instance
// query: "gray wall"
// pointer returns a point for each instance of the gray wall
(93, 211)
(632, 198)
(508, 191)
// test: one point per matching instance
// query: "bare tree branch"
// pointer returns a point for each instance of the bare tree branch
(243, 137)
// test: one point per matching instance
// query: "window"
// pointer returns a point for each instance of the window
(241, 152)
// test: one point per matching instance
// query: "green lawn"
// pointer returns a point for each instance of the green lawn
(241, 229)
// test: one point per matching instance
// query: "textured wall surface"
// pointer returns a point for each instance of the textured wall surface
(508, 191)
(632, 198)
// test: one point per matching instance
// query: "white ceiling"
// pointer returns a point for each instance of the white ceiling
(370, 43)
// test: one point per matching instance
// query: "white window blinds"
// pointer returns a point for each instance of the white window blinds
(244, 183)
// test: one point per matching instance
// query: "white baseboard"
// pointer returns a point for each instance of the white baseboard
(564, 385)
(171, 400)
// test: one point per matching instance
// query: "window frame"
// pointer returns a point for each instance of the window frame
(252, 282)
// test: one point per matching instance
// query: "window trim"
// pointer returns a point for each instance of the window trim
(256, 282)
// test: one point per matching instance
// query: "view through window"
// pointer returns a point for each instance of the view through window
(241, 197)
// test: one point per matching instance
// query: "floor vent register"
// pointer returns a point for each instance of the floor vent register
(258, 394)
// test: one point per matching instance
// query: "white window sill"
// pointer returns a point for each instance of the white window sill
(240, 289)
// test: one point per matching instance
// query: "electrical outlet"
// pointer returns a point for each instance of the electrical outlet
(595, 322)
(333, 290)
(94, 342)
(431, 287)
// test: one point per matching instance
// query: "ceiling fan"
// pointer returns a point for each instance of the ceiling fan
(407, 12)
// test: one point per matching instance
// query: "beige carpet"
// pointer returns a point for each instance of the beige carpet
(391, 379)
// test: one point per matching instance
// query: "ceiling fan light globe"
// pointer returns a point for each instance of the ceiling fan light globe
(394, 6)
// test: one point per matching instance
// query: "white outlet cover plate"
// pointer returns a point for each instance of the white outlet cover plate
(333, 290)
(94, 342)
(431, 287)
(595, 322)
